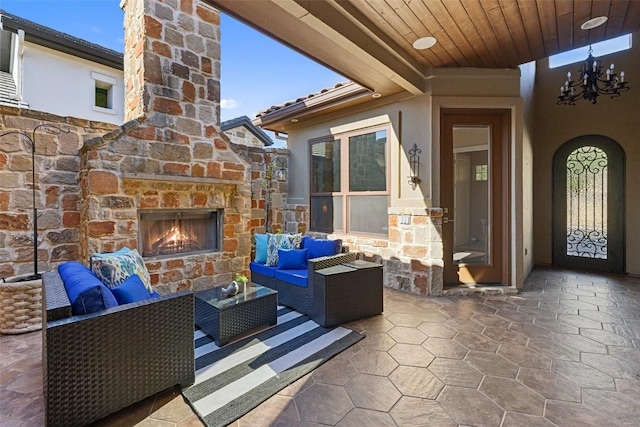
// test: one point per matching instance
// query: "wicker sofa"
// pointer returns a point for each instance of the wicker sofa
(291, 292)
(96, 364)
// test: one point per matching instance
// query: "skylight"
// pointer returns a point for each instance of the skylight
(599, 49)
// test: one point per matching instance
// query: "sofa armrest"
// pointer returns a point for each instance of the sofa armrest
(95, 364)
(56, 304)
(315, 264)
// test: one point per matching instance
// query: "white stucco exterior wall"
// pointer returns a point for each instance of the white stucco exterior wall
(58, 83)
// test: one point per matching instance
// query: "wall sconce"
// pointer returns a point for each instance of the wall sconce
(414, 166)
(278, 170)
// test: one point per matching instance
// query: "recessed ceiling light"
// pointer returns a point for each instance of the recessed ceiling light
(294, 120)
(594, 22)
(376, 95)
(424, 43)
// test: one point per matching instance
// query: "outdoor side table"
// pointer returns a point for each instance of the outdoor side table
(224, 318)
(347, 292)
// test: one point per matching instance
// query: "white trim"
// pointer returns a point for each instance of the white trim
(103, 110)
(104, 78)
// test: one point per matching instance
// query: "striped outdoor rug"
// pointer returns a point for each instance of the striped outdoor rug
(233, 379)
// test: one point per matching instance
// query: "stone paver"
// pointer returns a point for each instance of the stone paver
(564, 351)
(455, 372)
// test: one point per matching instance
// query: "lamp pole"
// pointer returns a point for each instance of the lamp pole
(32, 139)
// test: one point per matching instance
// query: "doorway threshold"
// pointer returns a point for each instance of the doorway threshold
(478, 290)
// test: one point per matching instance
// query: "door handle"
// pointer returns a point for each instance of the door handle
(446, 220)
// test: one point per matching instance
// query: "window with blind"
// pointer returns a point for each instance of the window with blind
(349, 183)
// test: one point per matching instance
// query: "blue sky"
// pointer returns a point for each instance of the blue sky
(256, 72)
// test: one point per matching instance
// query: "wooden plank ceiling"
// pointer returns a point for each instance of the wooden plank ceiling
(370, 41)
(496, 33)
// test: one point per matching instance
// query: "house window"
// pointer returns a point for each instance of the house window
(602, 48)
(481, 172)
(349, 183)
(103, 89)
(102, 97)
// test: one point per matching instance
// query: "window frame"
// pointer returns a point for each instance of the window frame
(102, 81)
(344, 191)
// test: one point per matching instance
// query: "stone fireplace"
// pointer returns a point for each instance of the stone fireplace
(169, 169)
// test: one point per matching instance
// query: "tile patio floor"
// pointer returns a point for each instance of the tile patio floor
(564, 352)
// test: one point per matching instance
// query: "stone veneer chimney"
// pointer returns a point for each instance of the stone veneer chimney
(172, 62)
(170, 154)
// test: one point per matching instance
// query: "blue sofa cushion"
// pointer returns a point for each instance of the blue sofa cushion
(322, 247)
(295, 277)
(86, 292)
(292, 259)
(131, 290)
(265, 270)
(261, 248)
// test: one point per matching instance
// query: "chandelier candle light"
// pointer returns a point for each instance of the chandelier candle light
(592, 82)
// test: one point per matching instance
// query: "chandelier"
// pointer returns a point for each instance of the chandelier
(592, 83)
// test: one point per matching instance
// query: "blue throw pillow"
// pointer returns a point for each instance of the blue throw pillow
(320, 247)
(86, 292)
(292, 259)
(261, 248)
(131, 290)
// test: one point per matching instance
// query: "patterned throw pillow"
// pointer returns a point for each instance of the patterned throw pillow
(280, 241)
(116, 267)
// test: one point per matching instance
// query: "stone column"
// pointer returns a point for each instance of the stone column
(172, 64)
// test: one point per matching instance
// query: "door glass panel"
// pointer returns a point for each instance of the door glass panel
(326, 213)
(587, 203)
(472, 201)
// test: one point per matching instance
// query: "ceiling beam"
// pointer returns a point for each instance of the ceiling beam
(326, 32)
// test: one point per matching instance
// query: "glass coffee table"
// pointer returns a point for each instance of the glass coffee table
(225, 317)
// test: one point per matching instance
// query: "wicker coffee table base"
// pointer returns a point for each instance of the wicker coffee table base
(229, 322)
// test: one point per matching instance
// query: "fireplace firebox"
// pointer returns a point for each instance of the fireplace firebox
(167, 232)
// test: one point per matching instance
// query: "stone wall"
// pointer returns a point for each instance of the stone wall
(57, 189)
(243, 136)
(58, 200)
(267, 191)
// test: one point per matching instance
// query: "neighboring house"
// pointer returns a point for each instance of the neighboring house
(241, 131)
(45, 70)
(487, 198)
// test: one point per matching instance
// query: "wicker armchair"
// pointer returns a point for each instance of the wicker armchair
(99, 363)
(301, 298)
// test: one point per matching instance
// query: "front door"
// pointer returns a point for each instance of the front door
(588, 205)
(474, 149)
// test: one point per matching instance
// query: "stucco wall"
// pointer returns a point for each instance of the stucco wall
(61, 84)
(416, 120)
(556, 124)
(408, 118)
(527, 86)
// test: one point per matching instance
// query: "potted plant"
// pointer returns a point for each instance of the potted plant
(242, 280)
